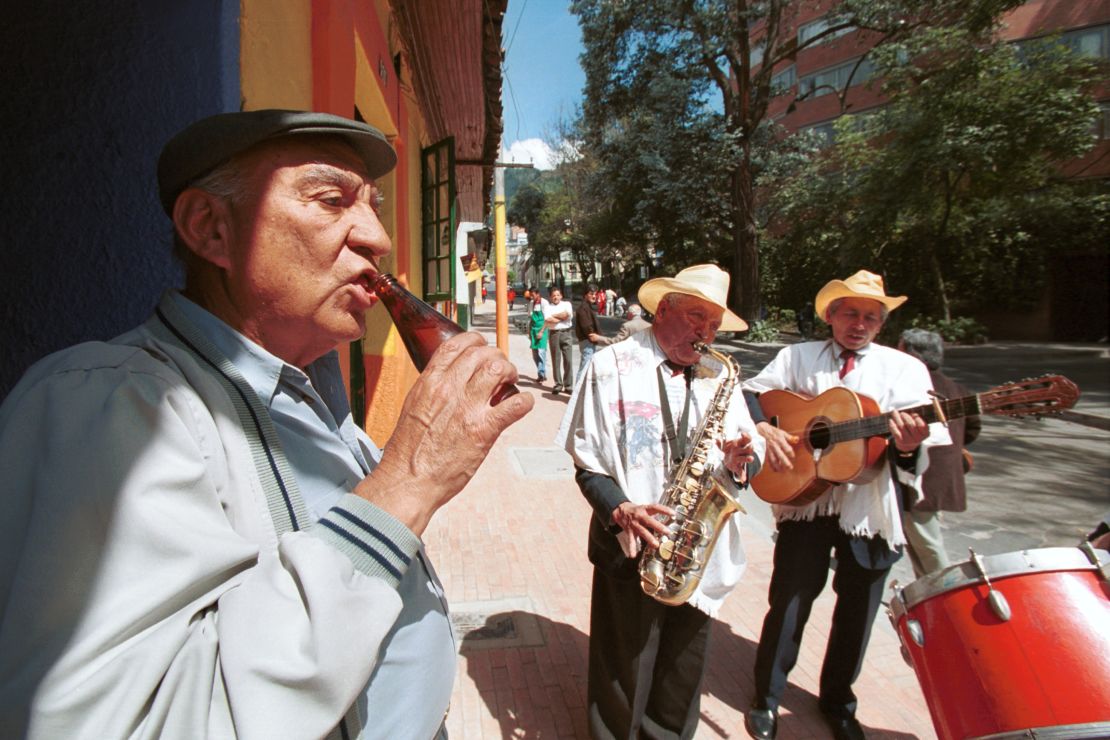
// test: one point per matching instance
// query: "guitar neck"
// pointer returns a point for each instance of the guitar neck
(879, 426)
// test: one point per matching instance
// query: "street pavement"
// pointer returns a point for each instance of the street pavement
(511, 553)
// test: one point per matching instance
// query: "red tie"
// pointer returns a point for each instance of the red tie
(849, 358)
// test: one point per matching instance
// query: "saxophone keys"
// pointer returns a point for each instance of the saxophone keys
(651, 577)
(696, 528)
(666, 549)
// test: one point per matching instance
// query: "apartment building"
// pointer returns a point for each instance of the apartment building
(831, 78)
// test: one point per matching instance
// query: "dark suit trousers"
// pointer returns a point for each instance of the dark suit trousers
(801, 566)
(647, 661)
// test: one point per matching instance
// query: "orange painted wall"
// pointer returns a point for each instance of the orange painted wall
(352, 68)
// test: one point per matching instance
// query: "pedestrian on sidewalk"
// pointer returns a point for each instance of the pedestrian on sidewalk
(585, 326)
(860, 523)
(537, 334)
(942, 486)
(559, 317)
(635, 323)
(199, 541)
(647, 659)
(610, 302)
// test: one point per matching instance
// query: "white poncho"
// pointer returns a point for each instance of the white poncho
(614, 425)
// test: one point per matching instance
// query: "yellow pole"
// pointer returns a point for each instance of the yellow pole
(501, 275)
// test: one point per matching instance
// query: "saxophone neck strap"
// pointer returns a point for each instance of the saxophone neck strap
(678, 449)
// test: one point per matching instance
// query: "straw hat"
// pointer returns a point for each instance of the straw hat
(863, 284)
(708, 282)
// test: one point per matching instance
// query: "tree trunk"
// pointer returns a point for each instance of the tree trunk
(938, 277)
(949, 184)
(744, 286)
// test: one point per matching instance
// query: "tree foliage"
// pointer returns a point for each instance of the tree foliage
(677, 95)
(951, 189)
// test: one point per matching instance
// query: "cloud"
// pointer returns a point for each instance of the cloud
(531, 151)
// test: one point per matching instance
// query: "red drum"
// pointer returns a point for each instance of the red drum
(1013, 645)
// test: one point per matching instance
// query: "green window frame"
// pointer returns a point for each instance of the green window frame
(438, 219)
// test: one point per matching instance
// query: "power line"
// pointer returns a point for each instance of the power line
(505, 67)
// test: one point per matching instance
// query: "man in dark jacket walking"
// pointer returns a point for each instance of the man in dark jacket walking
(585, 326)
(942, 487)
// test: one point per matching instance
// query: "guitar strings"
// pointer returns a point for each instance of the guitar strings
(879, 425)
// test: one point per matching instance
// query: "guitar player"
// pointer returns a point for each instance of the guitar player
(857, 522)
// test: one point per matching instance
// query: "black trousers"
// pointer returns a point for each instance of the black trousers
(647, 661)
(801, 566)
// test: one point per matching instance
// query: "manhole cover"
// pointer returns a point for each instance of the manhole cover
(483, 625)
(548, 463)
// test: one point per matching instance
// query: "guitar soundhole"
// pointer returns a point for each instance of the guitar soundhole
(819, 435)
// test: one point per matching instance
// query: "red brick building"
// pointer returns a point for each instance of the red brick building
(812, 86)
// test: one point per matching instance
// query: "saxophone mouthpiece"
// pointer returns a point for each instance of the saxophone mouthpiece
(701, 347)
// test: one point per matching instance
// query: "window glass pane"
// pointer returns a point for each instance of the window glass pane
(783, 81)
(824, 130)
(445, 240)
(809, 31)
(1091, 42)
(444, 276)
(835, 79)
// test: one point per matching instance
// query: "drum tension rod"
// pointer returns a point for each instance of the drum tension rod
(1089, 550)
(995, 599)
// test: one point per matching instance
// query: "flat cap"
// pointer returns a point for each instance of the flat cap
(208, 143)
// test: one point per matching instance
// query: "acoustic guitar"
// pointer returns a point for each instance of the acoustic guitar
(842, 437)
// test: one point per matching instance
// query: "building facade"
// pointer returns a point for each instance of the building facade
(92, 91)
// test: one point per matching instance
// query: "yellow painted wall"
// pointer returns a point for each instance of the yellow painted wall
(276, 54)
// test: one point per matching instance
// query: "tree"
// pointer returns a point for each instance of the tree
(949, 186)
(564, 216)
(730, 49)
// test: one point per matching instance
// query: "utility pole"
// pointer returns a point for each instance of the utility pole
(501, 276)
(500, 261)
(501, 268)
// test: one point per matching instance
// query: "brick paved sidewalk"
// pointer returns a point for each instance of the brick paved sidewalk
(511, 552)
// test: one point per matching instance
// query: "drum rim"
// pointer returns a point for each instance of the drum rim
(1002, 565)
(1091, 730)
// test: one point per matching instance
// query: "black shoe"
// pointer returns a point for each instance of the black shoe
(761, 723)
(845, 728)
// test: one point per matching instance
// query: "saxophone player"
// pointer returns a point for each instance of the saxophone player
(627, 427)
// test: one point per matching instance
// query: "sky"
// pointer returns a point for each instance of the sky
(542, 78)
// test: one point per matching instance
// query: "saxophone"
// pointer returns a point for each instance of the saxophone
(671, 573)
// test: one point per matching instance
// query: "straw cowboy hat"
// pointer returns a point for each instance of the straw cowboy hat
(863, 284)
(708, 282)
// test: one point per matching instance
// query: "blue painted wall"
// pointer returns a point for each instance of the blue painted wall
(91, 91)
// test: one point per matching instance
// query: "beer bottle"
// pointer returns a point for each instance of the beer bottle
(421, 327)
